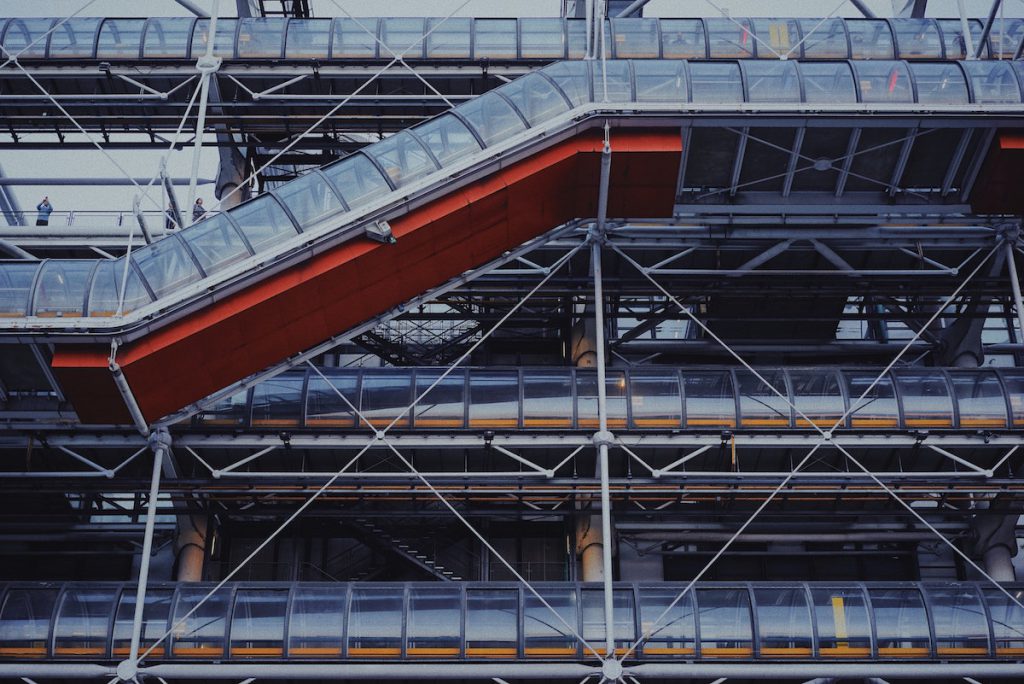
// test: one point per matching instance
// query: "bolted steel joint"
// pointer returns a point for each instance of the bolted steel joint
(603, 438)
(160, 438)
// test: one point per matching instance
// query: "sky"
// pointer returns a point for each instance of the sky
(80, 163)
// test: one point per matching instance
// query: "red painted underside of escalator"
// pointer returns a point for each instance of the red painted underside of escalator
(330, 293)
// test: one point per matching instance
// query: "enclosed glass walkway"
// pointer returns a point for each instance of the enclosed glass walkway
(465, 621)
(538, 38)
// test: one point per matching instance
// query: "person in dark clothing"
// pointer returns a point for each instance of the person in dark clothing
(198, 210)
(45, 209)
(172, 221)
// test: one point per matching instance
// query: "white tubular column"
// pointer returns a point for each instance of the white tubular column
(207, 65)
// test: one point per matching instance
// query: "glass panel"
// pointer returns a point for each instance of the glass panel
(385, 396)
(953, 38)
(308, 39)
(403, 158)
(447, 138)
(672, 630)
(324, 408)
(277, 402)
(25, 622)
(201, 634)
(900, 622)
(1005, 37)
(404, 36)
(870, 39)
(917, 38)
(926, 400)
(82, 622)
(24, 32)
(357, 180)
(594, 622)
(884, 82)
(492, 118)
(434, 623)
(74, 38)
(875, 409)
(1014, 381)
(229, 412)
(166, 265)
(260, 37)
(961, 627)
(784, 623)
(547, 399)
(992, 82)
(541, 38)
(535, 98)
(774, 81)
(493, 399)
(760, 406)
(617, 79)
(725, 623)
(60, 288)
(154, 622)
(317, 622)
(309, 198)
(120, 38)
(635, 38)
(844, 628)
(444, 405)
(355, 38)
(817, 395)
(573, 79)
(660, 81)
(710, 400)
(586, 399)
(824, 38)
(492, 623)
(980, 399)
(730, 37)
(939, 83)
(448, 38)
(495, 39)
(655, 399)
(167, 37)
(215, 243)
(223, 46)
(717, 82)
(263, 222)
(682, 39)
(106, 289)
(828, 82)
(375, 622)
(546, 634)
(257, 624)
(15, 286)
(781, 35)
(1007, 620)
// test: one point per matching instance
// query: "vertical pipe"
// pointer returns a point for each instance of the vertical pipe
(1018, 302)
(589, 21)
(965, 26)
(207, 64)
(987, 31)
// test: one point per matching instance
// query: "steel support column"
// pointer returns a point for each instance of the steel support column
(207, 65)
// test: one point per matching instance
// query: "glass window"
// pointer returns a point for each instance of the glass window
(547, 399)
(586, 399)
(216, 244)
(493, 399)
(594, 620)
(1014, 381)
(926, 400)
(682, 39)
(660, 81)
(541, 38)
(979, 397)
(15, 287)
(443, 406)
(435, 618)
(324, 408)
(403, 158)
(760, 405)
(167, 37)
(385, 397)
(546, 634)
(917, 38)
(223, 45)
(60, 288)
(82, 622)
(155, 609)
(616, 77)
(308, 39)
(635, 38)
(317, 621)
(120, 38)
(447, 138)
(309, 198)
(263, 222)
(105, 291)
(725, 623)
(884, 82)
(781, 35)
(817, 395)
(25, 622)
(357, 180)
(844, 628)
(824, 38)
(939, 83)
(535, 98)
(257, 623)
(784, 622)
(576, 32)
(992, 82)
(1005, 38)
(710, 401)
(730, 37)
(261, 37)
(828, 82)
(774, 81)
(449, 38)
(375, 622)
(74, 38)
(655, 399)
(953, 38)
(573, 79)
(961, 627)
(228, 412)
(870, 39)
(1007, 620)
(201, 634)
(403, 36)
(24, 32)
(355, 38)
(277, 402)
(900, 622)
(871, 406)
(492, 623)
(166, 265)
(671, 630)
(716, 82)
(494, 39)
(492, 117)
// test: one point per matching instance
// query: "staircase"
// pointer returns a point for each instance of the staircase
(375, 535)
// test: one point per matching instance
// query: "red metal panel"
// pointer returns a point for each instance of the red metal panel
(996, 191)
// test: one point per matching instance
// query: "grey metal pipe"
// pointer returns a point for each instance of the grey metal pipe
(862, 8)
(829, 670)
(759, 537)
(633, 8)
(42, 182)
(1018, 302)
(193, 8)
(985, 32)
(129, 399)
(368, 671)
(15, 251)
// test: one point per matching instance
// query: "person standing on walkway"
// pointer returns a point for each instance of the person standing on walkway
(171, 221)
(45, 209)
(198, 210)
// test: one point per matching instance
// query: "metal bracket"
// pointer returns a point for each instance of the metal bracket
(380, 231)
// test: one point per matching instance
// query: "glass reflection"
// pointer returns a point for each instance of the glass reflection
(257, 623)
(725, 627)
(961, 627)
(330, 399)
(74, 38)
(317, 621)
(492, 623)
(22, 33)
(784, 623)
(375, 623)
(870, 39)
(493, 399)
(120, 38)
(547, 635)
(939, 83)
(60, 288)
(844, 627)
(447, 138)
(263, 222)
(308, 39)
(660, 81)
(277, 402)
(772, 81)
(155, 610)
(82, 621)
(925, 398)
(655, 399)
(872, 401)
(586, 399)
(635, 38)
(884, 82)
(761, 404)
(167, 37)
(201, 633)
(979, 399)
(309, 198)
(668, 623)
(443, 403)
(547, 399)
(824, 38)
(901, 623)
(385, 397)
(710, 401)
(355, 38)
(992, 82)
(716, 82)
(592, 612)
(541, 38)
(683, 39)
(730, 38)
(434, 623)
(494, 39)
(917, 38)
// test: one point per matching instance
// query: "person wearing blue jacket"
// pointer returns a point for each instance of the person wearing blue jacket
(45, 209)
